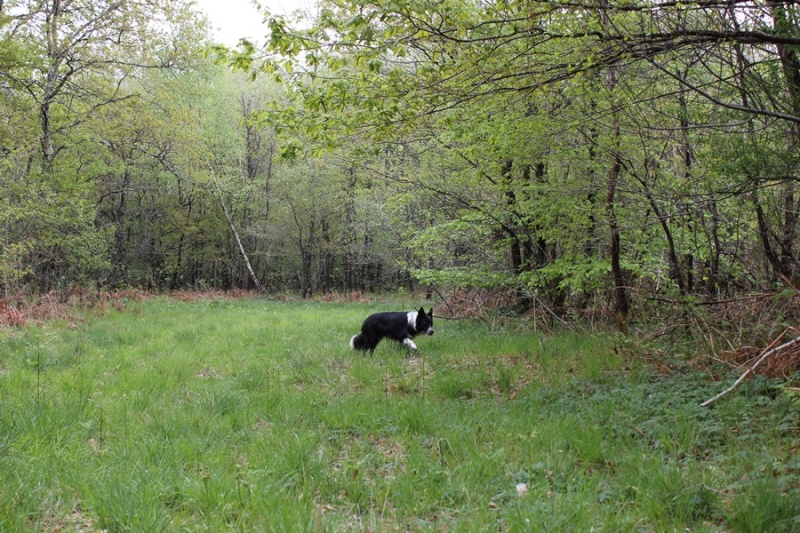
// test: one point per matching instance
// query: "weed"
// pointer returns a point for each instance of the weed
(766, 504)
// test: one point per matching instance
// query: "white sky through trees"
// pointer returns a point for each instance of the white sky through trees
(233, 19)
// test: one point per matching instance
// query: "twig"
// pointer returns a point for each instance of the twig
(637, 430)
(750, 370)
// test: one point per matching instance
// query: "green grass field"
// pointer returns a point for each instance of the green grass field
(254, 415)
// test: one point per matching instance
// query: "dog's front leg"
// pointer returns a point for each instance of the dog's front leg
(408, 343)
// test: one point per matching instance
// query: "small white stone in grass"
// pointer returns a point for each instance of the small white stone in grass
(522, 490)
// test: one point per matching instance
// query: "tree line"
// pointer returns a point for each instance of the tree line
(129, 158)
(572, 155)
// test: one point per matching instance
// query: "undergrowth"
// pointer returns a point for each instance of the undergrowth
(255, 415)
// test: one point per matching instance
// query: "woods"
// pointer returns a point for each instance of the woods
(573, 156)
(602, 198)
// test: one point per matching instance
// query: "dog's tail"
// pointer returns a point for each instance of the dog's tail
(357, 342)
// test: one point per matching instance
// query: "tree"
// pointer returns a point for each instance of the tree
(438, 70)
(71, 61)
(82, 51)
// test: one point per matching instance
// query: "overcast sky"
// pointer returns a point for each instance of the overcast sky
(234, 19)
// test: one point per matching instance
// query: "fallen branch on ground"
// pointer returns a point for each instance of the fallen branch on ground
(767, 352)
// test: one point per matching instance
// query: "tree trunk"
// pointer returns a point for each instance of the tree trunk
(242, 251)
(619, 293)
(347, 239)
(121, 235)
(716, 252)
(675, 272)
(790, 63)
(763, 233)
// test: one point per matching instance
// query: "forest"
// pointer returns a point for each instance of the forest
(573, 159)
(601, 199)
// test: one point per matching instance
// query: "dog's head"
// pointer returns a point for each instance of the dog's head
(424, 321)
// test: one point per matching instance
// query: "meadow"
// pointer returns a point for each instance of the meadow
(254, 415)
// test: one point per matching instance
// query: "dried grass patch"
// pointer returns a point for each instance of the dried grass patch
(21, 310)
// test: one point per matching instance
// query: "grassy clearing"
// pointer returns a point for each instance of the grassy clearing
(255, 415)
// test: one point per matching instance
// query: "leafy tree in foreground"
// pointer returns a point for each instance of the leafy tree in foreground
(624, 105)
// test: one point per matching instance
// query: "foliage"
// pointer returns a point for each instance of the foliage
(572, 135)
(577, 157)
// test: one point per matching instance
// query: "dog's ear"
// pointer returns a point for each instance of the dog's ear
(430, 313)
(421, 310)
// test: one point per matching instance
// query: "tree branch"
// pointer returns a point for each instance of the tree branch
(755, 365)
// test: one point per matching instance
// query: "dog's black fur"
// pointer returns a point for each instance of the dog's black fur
(398, 326)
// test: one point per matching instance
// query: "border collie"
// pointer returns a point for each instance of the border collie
(398, 326)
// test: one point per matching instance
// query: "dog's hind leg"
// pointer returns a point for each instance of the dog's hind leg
(362, 343)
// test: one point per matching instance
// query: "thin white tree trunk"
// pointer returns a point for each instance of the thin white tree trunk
(253, 276)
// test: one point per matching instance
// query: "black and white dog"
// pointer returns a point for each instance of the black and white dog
(398, 326)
